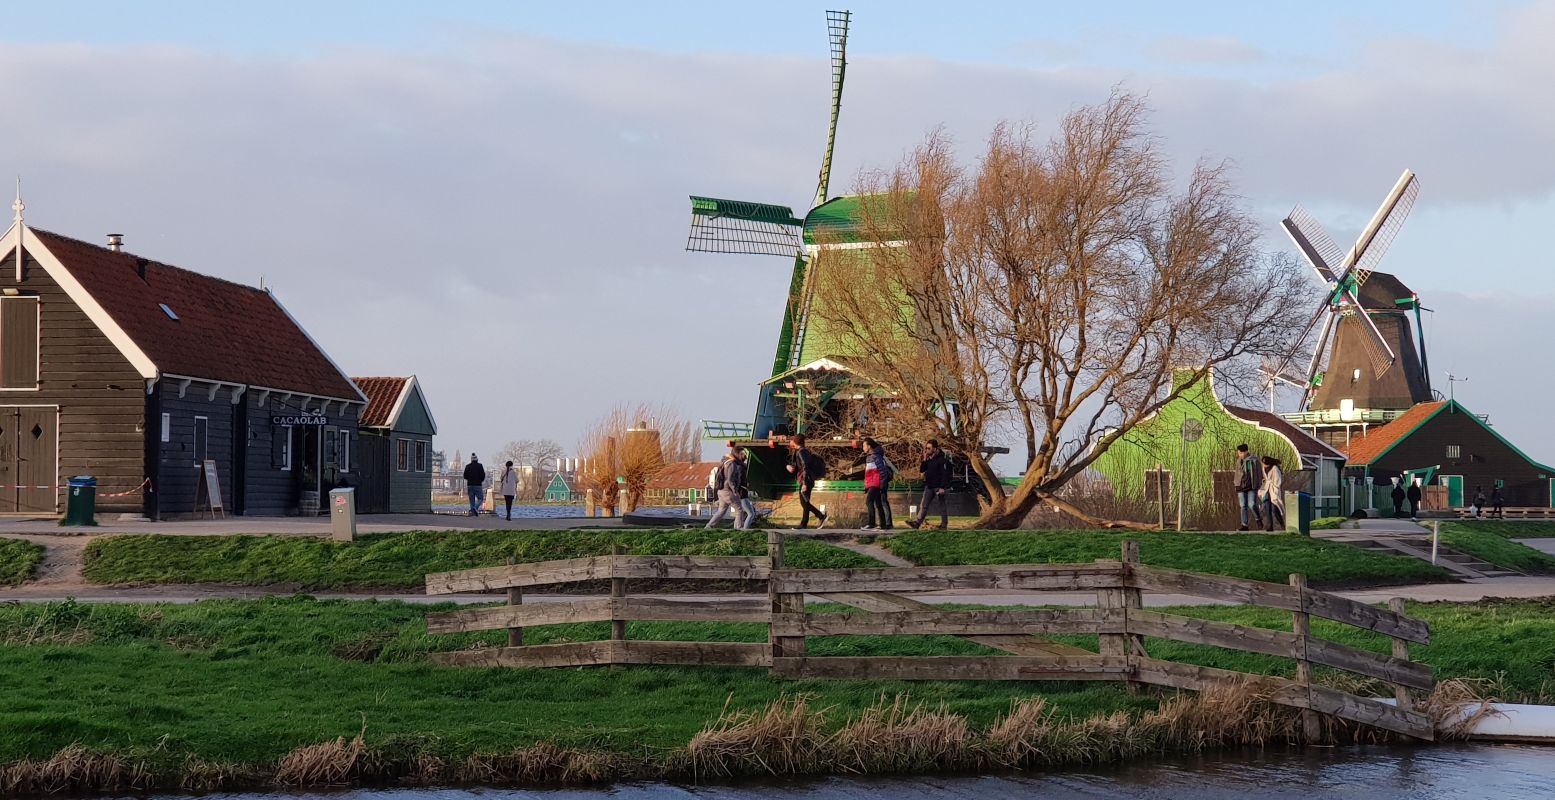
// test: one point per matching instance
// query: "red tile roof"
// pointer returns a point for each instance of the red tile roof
(225, 331)
(1369, 448)
(382, 394)
(683, 475)
(1305, 443)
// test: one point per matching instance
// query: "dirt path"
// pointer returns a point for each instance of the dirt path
(62, 559)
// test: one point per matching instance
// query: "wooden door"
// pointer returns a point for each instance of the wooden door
(372, 474)
(8, 471)
(37, 457)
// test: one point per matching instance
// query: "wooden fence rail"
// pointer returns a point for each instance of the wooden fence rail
(1121, 625)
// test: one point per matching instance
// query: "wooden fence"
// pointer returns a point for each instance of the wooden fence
(1118, 620)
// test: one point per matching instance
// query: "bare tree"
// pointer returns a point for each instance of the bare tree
(1049, 292)
(633, 444)
(539, 456)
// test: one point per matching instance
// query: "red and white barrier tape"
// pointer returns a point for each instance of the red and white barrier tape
(145, 484)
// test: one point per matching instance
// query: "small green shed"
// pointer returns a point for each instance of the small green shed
(395, 437)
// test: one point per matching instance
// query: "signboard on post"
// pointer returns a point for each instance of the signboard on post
(210, 488)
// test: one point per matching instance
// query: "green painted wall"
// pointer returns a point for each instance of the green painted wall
(414, 418)
(1159, 440)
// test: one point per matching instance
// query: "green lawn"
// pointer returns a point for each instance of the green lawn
(1254, 556)
(401, 560)
(1495, 548)
(1506, 529)
(246, 681)
(18, 560)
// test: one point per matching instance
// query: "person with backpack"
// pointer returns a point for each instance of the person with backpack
(726, 482)
(807, 468)
(1248, 482)
(744, 492)
(877, 476)
(475, 484)
(509, 487)
(936, 483)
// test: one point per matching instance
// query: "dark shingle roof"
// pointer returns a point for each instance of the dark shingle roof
(1305, 443)
(225, 331)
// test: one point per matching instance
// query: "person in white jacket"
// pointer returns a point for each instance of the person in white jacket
(1273, 492)
(509, 487)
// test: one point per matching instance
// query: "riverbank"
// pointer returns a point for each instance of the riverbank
(296, 691)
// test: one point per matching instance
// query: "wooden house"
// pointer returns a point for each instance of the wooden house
(1445, 444)
(562, 489)
(139, 373)
(395, 451)
(678, 483)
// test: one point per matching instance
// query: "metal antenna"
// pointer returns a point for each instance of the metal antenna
(837, 26)
(1452, 379)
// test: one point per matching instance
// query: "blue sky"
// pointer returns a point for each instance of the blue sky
(499, 188)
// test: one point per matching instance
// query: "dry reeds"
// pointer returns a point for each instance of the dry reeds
(543, 764)
(73, 770)
(898, 738)
(335, 763)
(782, 739)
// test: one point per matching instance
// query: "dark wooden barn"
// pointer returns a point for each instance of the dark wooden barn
(1460, 450)
(396, 447)
(138, 372)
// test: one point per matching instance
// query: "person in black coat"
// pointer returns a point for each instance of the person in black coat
(475, 484)
(936, 485)
(1398, 497)
(1414, 499)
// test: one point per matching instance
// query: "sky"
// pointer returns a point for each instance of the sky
(492, 195)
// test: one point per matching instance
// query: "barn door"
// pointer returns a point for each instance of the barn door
(372, 473)
(28, 458)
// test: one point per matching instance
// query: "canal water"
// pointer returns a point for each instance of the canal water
(1503, 772)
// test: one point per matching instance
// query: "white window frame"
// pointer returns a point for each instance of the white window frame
(1454, 452)
(167, 427)
(343, 451)
(199, 458)
(286, 463)
(398, 442)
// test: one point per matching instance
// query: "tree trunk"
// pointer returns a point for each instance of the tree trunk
(1026, 500)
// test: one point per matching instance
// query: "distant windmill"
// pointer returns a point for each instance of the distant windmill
(740, 227)
(1372, 361)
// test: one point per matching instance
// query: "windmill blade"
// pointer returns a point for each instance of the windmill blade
(1313, 242)
(740, 227)
(1385, 224)
(837, 27)
(1377, 348)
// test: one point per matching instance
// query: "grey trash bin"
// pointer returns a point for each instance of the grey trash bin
(342, 514)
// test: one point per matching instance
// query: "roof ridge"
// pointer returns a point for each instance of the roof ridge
(139, 258)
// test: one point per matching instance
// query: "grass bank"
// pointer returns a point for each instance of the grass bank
(401, 560)
(19, 559)
(1253, 556)
(1505, 528)
(224, 693)
(1495, 548)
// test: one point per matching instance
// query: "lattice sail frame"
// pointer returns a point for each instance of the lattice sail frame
(743, 228)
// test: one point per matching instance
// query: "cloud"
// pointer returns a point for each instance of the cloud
(1220, 50)
(507, 219)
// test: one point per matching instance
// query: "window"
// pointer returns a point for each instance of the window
(402, 455)
(281, 447)
(421, 456)
(1454, 451)
(345, 451)
(201, 436)
(167, 427)
(331, 454)
(19, 343)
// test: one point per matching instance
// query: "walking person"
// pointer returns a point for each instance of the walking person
(745, 491)
(726, 483)
(1414, 498)
(1248, 483)
(807, 468)
(1273, 494)
(877, 476)
(475, 484)
(935, 469)
(1497, 503)
(509, 487)
(1479, 501)
(1398, 497)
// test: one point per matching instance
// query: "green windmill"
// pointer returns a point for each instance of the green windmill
(808, 369)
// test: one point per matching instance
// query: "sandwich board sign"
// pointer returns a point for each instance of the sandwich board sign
(211, 489)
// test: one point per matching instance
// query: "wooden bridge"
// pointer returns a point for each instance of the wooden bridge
(1118, 620)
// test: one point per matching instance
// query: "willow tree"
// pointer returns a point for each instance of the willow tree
(629, 446)
(1048, 291)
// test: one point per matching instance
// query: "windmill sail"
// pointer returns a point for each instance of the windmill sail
(741, 227)
(1313, 242)
(837, 27)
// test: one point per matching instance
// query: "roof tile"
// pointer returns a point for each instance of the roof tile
(1374, 443)
(382, 394)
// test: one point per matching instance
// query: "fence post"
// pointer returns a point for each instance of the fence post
(1301, 625)
(515, 598)
(1401, 651)
(786, 646)
(617, 591)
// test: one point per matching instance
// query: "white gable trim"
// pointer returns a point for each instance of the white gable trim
(79, 295)
(338, 371)
(411, 384)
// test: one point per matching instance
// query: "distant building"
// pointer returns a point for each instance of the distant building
(684, 482)
(394, 453)
(562, 489)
